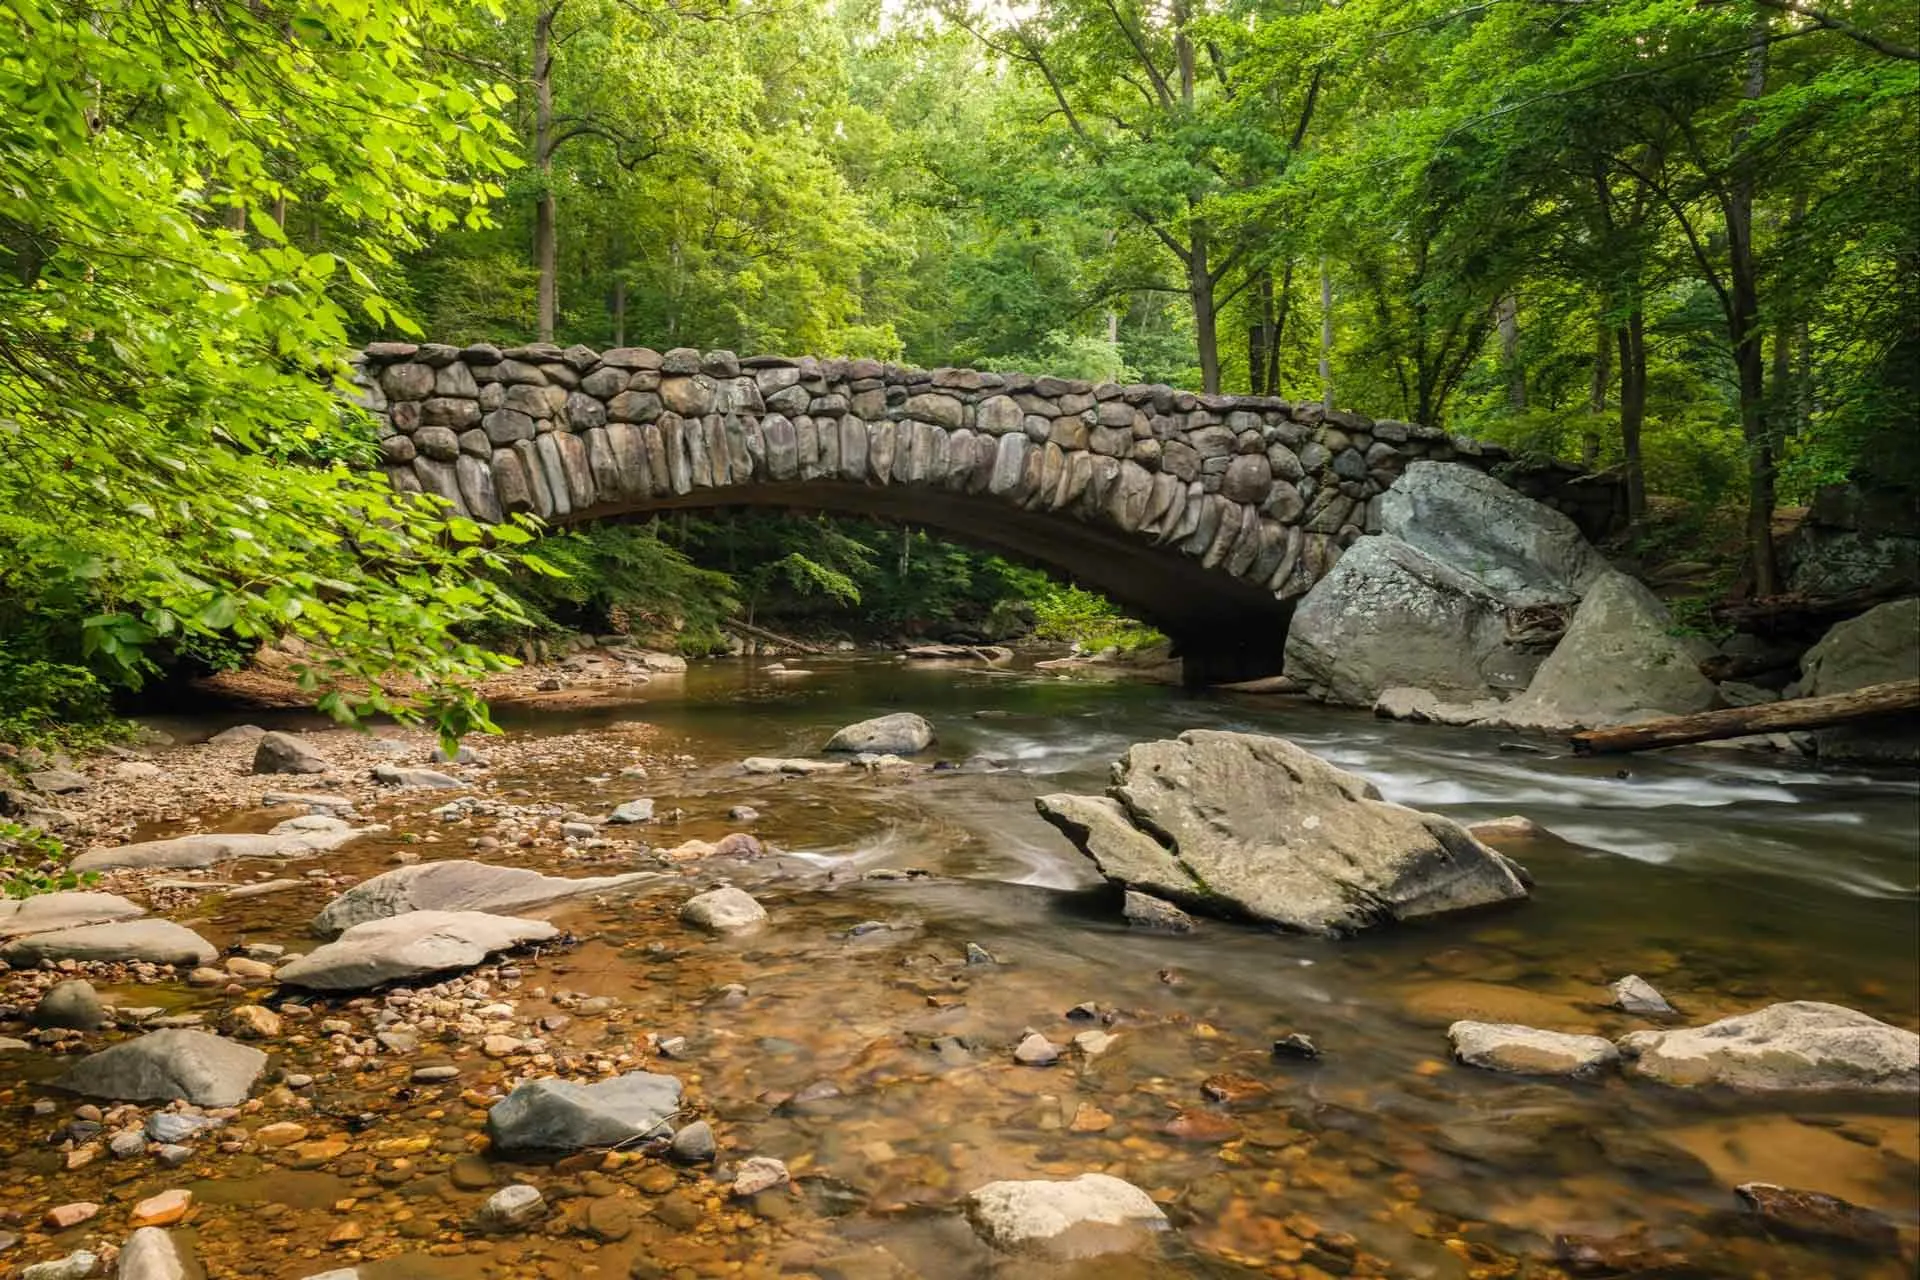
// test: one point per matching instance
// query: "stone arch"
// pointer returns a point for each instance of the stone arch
(1209, 515)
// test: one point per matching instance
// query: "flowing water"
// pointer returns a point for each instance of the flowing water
(878, 1064)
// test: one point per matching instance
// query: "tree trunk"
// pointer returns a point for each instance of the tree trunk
(1326, 333)
(619, 311)
(1872, 702)
(1632, 340)
(1205, 322)
(1509, 320)
(1597, 397)
(1743, 331)
(545, 236)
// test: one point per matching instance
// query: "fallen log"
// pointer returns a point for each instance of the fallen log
(1799, 613)
(773, 637)
(1876, 700)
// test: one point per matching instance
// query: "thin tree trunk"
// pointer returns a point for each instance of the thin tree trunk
(1205, 322)
(1259, 333)
(1746, 336)
(1597, 397)
(545, 235)
(1632, 340)
(1509, 320)
(1326, 333)
(619, 311)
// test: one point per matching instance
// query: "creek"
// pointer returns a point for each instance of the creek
(1730, 881)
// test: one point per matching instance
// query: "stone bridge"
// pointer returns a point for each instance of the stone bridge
(1206, 515)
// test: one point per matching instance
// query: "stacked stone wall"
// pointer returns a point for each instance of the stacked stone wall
(1257, 487)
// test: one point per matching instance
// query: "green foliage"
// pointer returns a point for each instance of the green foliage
(53, 704)
(625, 576)
(1090, 622)
(195, 201)
(33, 862)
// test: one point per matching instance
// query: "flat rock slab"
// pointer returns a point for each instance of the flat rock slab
(155, 941)
(1799, 1046)
(1244, 825)
(901, 733)
(63, 911)
(205, 1069)
(1091, 1214)
(559, 1115)
(206, 849)
(780, 764)
(458, 885)
(1529, 1051)
(413, 945)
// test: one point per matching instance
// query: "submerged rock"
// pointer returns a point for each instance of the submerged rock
(1091, 1214)
(205, 1069)
(1819, 1218)
(551, 1115)
(1635, 994)
(154, 941)
(901, 733)
(781, 764)
(457, 885)
(726, 910)
(511, 1208)
(413, 945)
(1529, 1051)
(1244, 825)
(1144, 911)
(1798, 1046)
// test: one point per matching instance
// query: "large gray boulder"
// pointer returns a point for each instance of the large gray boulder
(284, 841)
(457, 885)
(559, 1115)
(1526, 553)
(413, 945)
(287, 753)
(205, 1069)
(1238, 824)
(1880, 646)
(1799, 1046)
(63, 911)
(1091, 1214)
(1619, 661)
(154, 941)
(1457, 594)
(901, 734)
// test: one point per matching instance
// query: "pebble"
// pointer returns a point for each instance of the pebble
(695, 1143)
(1296, 1046)
(162, 1210)
(1635, 994)
(75, 1266)
(61, 1217)
(511, 1208)
(977, 954)
(1036, 1051)
(757, 1174)
(1094, 1043)
(435, 1075)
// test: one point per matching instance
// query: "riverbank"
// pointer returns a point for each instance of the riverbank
(849, 1038)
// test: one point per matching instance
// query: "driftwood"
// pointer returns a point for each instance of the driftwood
(1798, 613)
(774, 637)
(1874, 701)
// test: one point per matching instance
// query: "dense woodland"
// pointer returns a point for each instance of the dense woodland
(1674, 236)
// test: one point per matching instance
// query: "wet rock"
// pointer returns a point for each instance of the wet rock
(1797, 1046)
(1144, 911)
(162, 1210)
(77, 1265)
(633, 811)
(743, 813)
(978, 955)
(202, 1068)
(1247, 825)
(757, 1174)
(206, 849)
(393, 775)
(725, 910)
(1628, 1255)
(694, 1143)
(1819, 1218)
(608, 1219)
(775, 764)
(173, 1127)
(252, 1022)
(72, 1004)
(512, 1208)
(471, 1173)
(152, 941)
(1093, 1043)
(127, 1144)
(1036, 1051)
(61, 1217)
(1880, 646)
(1511, 827)
(558, 1115)
(435, 1075)
(153, 1254)
(457, 885)
(1636, 995)
(67, 910)
(1055, 1216)
(1296, 1046)
(1529, 1051)
(413, 945)
(902, 733)
(287, 753)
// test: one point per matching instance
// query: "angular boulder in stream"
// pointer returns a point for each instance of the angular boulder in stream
(901, 733)
(457, 885)
(558, 1115)
(1798, 1046)
(413, 945)
(1239, 824)
(1092, 1214)
(205, 1069)
(52, 911)
(154, 941)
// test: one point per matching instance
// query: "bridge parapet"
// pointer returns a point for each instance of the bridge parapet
(1262, 489)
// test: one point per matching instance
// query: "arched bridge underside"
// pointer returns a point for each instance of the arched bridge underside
(1206, 515)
